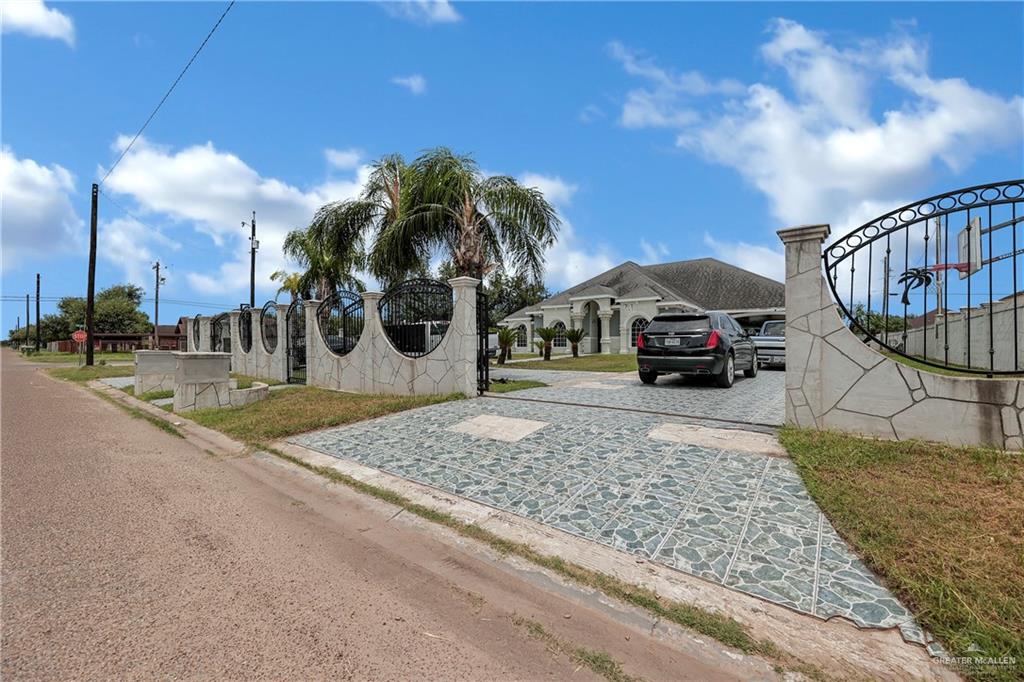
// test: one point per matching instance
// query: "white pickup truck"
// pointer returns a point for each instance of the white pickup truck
(771, 344)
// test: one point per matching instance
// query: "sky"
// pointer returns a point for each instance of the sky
(661, 131)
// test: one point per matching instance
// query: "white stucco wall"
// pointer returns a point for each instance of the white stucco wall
(835, 381)
(374, 366)
(954, 327)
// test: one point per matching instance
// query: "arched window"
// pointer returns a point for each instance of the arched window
(559, 341)
(639, 324)
(521, 336)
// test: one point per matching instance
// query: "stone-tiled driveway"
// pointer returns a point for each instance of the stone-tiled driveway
(760, 400)
(738, 519)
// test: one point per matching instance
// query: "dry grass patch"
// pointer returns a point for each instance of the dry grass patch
(291, 411)
(944, 527)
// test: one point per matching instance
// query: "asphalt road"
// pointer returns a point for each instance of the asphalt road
(129, 553)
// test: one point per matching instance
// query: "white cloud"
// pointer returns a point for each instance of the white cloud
(134, 247)
(760, 259)
(423, 11)
(555, 189)
(214, 191)
(34, 18)
(591, 113)
(343, 159)
(416, 84)
(653, 253)
(663, 102)
(38, 217)
(818, 150)
(570, 262)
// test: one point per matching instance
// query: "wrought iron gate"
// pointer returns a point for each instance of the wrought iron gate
(483, 325)
(295, 350)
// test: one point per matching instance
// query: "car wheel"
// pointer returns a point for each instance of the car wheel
(725, 377)
(751, 371)
(648, 377)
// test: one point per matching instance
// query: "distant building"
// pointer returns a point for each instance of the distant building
(615, 306)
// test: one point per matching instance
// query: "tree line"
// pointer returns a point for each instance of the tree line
(116, 311)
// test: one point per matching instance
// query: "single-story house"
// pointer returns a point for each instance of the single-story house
(615, 306)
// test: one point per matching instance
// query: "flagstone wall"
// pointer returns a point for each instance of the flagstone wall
(375, 366)
(835, 381)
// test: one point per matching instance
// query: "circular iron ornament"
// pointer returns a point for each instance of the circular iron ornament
(416, 315)
(919, 272)
(268, 326)
(195, 332)
(245, 329)
(339, 318)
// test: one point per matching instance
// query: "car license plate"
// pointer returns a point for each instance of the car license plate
(672, 342)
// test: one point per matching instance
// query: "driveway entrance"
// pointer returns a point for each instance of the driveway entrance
(702, 500)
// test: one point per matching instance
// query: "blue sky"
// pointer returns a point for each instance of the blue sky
(661, 131)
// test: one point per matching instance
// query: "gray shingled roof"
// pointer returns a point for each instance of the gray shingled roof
(705, 282)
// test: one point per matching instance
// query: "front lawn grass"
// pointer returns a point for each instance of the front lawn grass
(943, 526)
(245, 381)
(499, 386)
(83, 374)
(585, 363)
(286, 413)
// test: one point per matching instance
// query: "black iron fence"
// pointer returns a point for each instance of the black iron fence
(268, 326)
(220, 334)
(295, 348)
(416, 315)
(483, 325)
(245, 329)
(939, 280)
(340, 318)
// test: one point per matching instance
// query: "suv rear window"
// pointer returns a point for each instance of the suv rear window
(775, 328)
(689, 323)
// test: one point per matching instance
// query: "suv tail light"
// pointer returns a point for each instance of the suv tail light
(640, 342)
(713, 339)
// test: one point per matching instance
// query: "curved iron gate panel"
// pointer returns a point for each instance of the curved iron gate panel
(340, 320)
(295, 338)
(926, 280)
(416, 315)
(483, 326)
(220, 334)
(268, 326)
(245, 329)
(195, 333)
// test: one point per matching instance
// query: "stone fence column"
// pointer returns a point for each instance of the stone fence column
(805, 299)
(204, 335)
(378, 347)
(237, 357)
(464, 325)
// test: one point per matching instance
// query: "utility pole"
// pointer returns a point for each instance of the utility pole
(254, 246)
(156, 307)
(90, 294)
(38, 337)
(28, 320)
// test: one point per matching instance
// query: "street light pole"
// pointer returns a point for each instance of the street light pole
(38, 326)
(254, 246)
(156, 307)
(90, 292)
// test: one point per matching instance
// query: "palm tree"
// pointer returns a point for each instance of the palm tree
(328, 266)
(574, 336)
(507, 337)
(547, 335)
(388, 196)
(914, 278)
(290, 282)
(539, 345)
(479, 221)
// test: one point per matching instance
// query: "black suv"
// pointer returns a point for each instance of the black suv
(710, 344)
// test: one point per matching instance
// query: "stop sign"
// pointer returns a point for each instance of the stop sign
(79, 336)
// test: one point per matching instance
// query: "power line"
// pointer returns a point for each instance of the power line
(169, 91)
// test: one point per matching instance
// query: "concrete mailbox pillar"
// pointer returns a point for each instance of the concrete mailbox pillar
(201, 380)
(154, 371)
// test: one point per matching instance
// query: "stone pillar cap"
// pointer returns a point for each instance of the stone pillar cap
(804, 233)
(463, 281)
